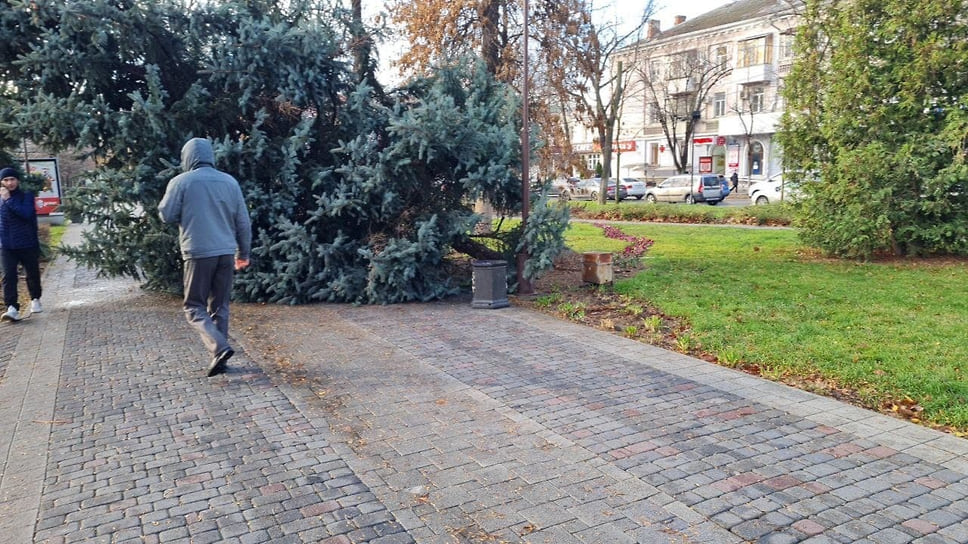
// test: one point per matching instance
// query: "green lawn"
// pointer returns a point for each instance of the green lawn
(889, 331)
(50, 239)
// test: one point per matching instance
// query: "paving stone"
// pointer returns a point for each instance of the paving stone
(404, 423)
(891, 536)
(779, 538)
(955, 533)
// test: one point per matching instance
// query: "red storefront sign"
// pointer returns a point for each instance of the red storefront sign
(705, 165)
(621, 146)
(624, 146)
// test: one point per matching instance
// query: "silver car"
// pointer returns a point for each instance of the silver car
(589, 188)
(635, 188)
(688, 188)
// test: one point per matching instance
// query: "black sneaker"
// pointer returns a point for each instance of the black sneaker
(218, 362)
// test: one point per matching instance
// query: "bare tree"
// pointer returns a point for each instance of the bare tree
(587, 73)
(746, 106)
(572, 75)
(677, 86)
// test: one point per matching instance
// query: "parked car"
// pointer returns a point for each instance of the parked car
(687, 188)
(636, 189)
(772, 190)
(564, 187)
(589, 189)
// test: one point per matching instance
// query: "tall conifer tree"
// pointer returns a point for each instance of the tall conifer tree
(877, 126)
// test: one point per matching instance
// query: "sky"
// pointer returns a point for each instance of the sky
(621, 10)
(666, 10)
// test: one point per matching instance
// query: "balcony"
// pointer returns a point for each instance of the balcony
(681, 86)
(757, 73)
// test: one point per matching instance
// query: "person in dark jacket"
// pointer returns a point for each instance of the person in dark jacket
(19, 243)
(724, 184)
(215, 238)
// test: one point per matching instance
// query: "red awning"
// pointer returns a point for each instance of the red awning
(702, 140)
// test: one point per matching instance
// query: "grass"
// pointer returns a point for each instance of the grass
(50, 239)
(889, 335)
(56, 234)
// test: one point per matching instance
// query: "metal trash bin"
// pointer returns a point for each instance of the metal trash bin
(490, 284)
(597, 267)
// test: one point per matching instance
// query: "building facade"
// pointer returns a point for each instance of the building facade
(722, 72)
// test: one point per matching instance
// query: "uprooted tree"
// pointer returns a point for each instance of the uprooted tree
(356, 194)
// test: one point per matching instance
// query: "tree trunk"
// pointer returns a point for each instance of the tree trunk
(362, 49)
(476, 250)
(489, 14)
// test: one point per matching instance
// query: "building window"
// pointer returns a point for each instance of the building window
(786, 47)
(719, 104)
(683, 64)
(683, 106)
(756, 98)
(755, 52)
(722, 56)
(778, 97)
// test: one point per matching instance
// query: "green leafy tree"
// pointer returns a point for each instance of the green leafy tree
(355, 194)
(877, 112)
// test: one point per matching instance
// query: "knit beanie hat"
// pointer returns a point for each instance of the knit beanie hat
(9, 173)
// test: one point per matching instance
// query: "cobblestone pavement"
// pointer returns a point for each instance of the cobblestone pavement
(431, 423)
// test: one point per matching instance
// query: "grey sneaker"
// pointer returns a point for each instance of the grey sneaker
(11, 314)
(35, 307)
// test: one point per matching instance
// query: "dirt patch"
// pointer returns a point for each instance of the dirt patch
(561, 292)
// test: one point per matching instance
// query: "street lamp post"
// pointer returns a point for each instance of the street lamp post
(692, 152)
(524, 284)
(618, 163)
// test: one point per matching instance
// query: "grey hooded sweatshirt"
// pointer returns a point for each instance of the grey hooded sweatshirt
(208, 206)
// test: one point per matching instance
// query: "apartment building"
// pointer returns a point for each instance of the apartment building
(721, 72)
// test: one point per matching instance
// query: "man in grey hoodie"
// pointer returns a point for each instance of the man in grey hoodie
(215, 236)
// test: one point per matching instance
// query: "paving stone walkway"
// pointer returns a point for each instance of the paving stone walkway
(431, 423)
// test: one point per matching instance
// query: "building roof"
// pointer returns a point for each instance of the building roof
(734, 12)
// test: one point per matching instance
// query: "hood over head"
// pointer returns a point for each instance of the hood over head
(196, 153)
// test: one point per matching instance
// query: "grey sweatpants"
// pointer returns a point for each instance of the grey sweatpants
(208, 288)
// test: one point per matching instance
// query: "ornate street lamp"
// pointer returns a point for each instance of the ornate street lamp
(524, 284)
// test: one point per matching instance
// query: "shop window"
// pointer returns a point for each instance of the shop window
(756, 159)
